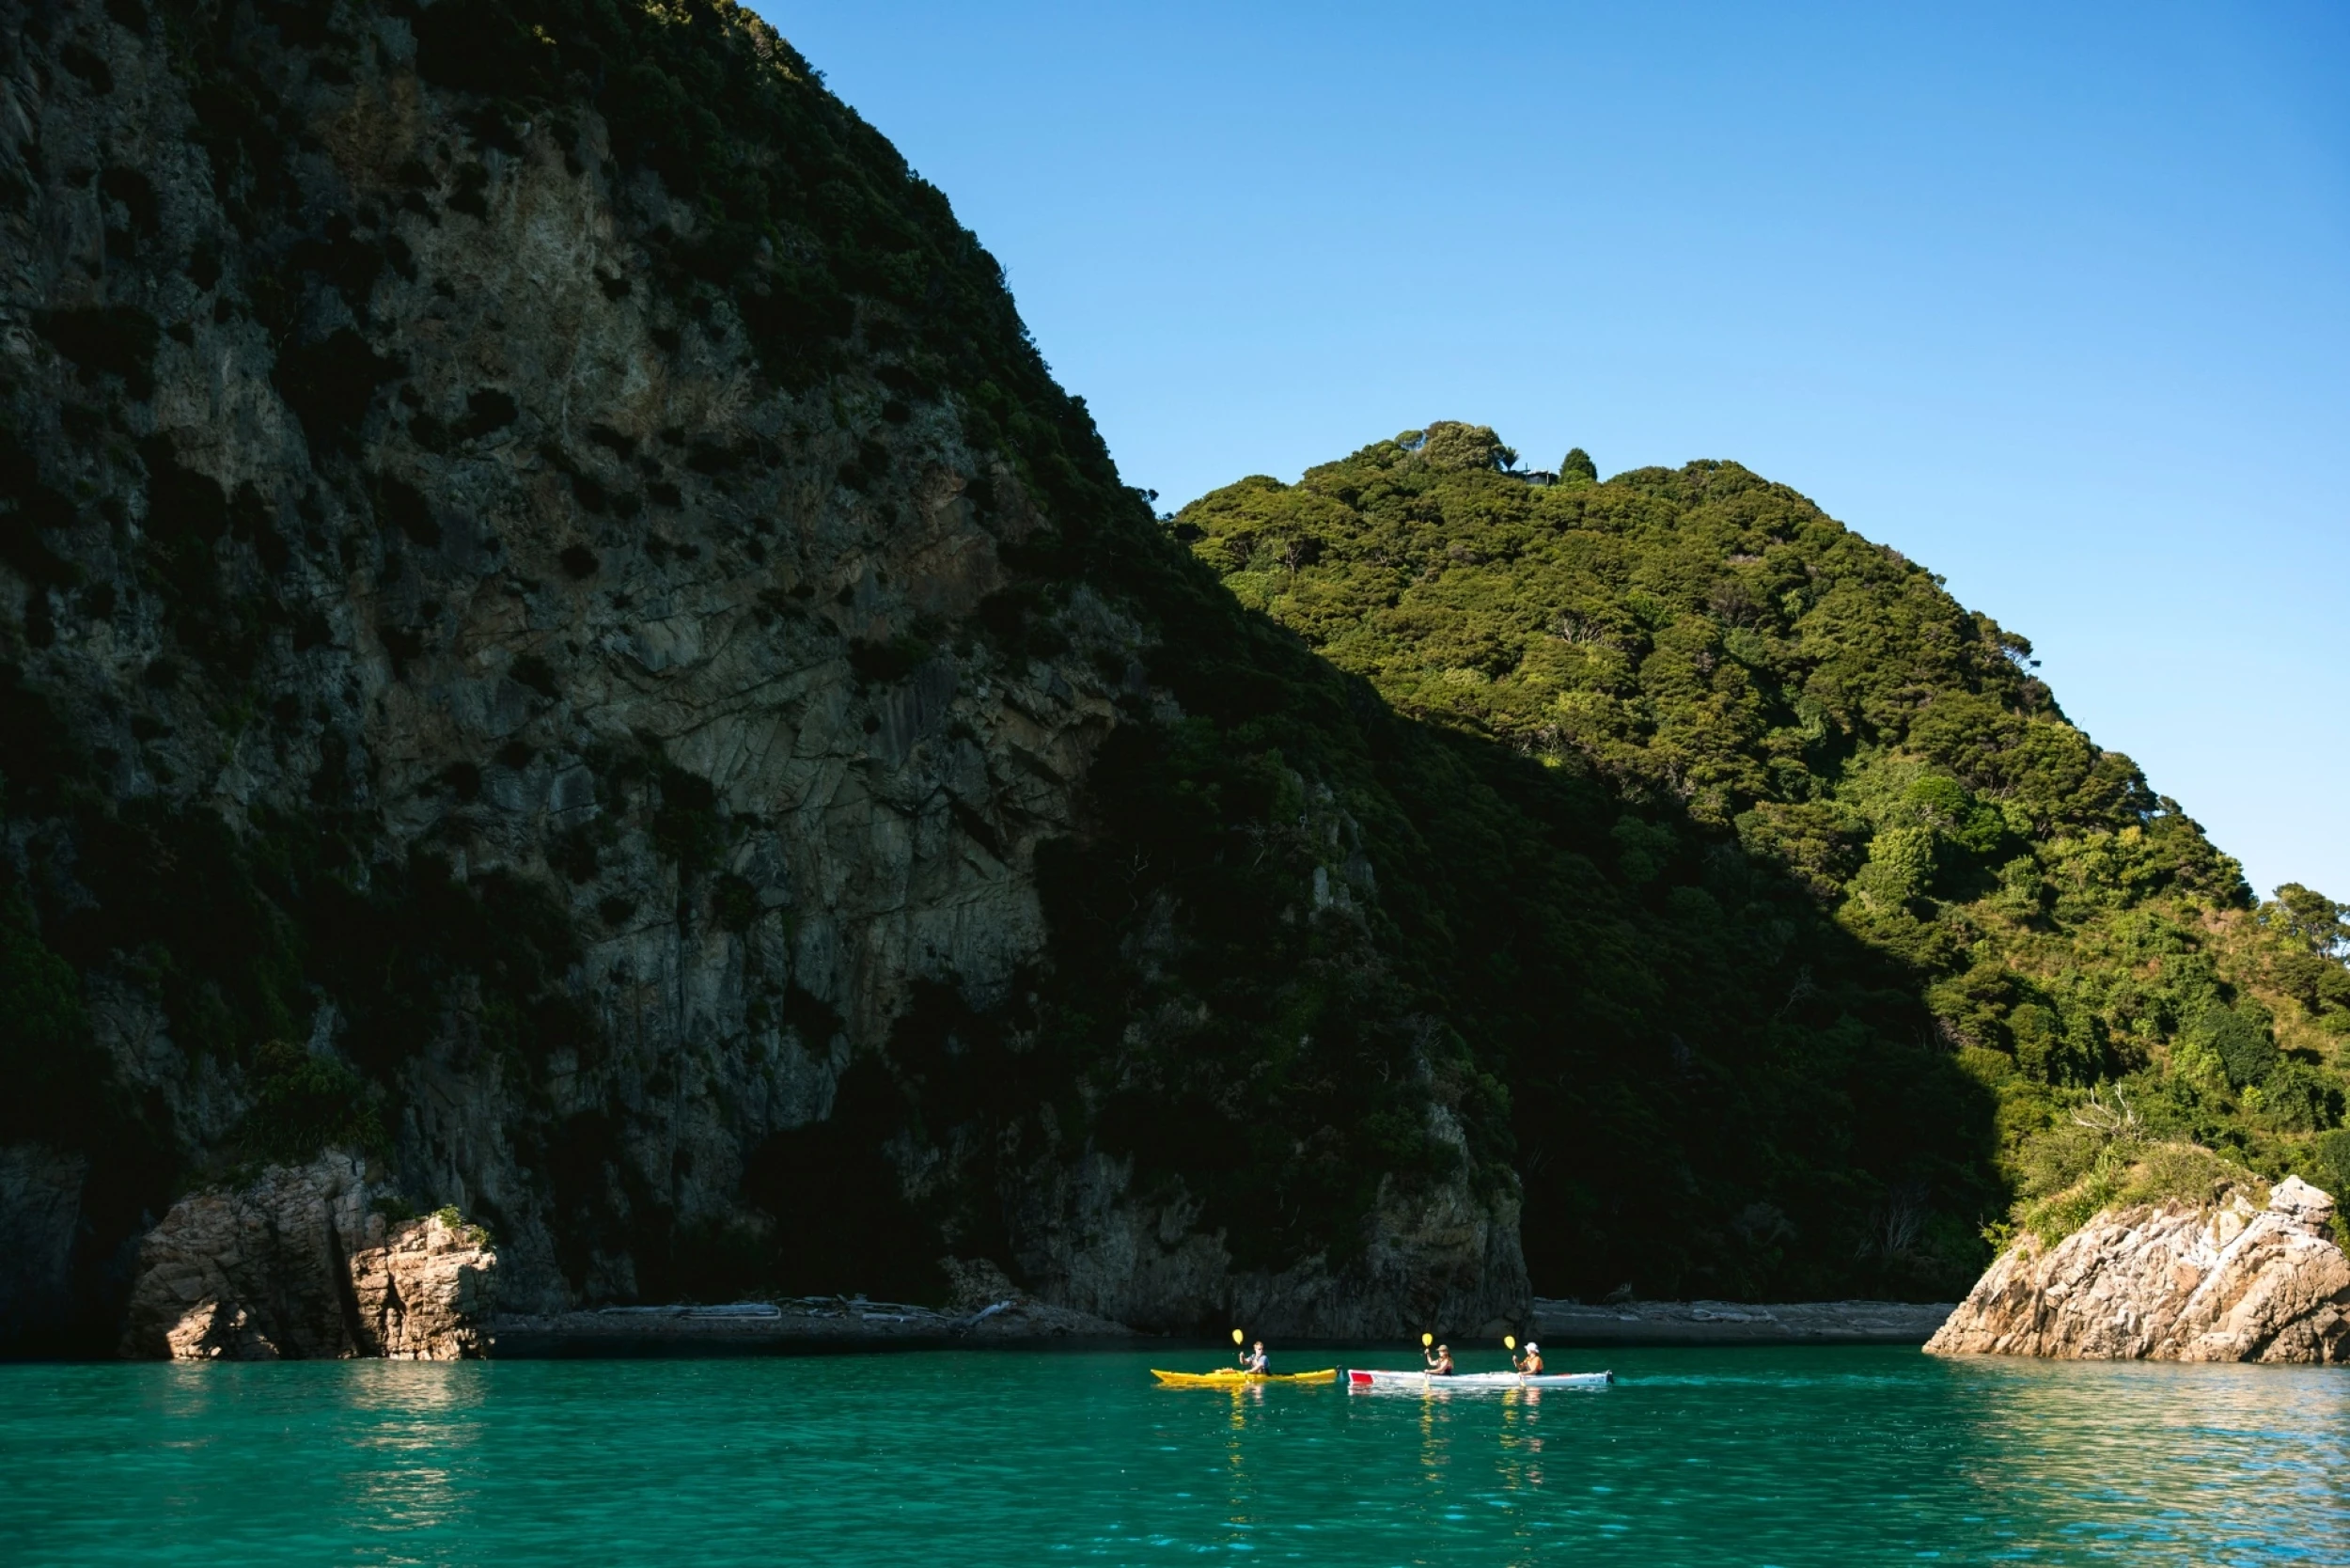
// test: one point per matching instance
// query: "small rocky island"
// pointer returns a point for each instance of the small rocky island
(2169, 1281)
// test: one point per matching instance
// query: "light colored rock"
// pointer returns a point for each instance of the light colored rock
(296, 1266)
(426, 1292)
(251, 1275)
(2170, 1283)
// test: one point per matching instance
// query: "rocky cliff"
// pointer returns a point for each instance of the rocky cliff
(2170, 1283)
(572, 647)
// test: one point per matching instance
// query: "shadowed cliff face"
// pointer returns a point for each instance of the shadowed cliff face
(551, 654)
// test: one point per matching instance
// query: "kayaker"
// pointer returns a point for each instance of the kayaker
(1530, 1364)
(1439, 1361)
(1254, 1361)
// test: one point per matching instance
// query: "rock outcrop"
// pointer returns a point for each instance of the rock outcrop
(2170, 1283)
(425, 1291)
(296, 1266)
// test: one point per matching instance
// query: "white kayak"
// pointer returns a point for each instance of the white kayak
(1357, 1377)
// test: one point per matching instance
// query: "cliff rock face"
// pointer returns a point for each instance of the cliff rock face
(40, 1191)
(475, 687)
(2170, 1283)
(425, 1290)
(294, 1265)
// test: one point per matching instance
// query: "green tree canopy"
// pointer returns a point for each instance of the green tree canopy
(1715, 652)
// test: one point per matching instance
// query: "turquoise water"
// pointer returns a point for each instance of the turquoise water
(1713, 1457)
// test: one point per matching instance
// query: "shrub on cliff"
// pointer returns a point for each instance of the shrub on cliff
(302, 1103)
(2100, 1155)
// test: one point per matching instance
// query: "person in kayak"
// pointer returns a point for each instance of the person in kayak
(1254, 1361)
(1439, 1361)
(1530, 1364)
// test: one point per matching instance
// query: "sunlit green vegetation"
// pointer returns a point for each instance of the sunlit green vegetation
(1720, 654)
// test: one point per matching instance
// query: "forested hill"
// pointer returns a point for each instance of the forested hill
(1769, 695)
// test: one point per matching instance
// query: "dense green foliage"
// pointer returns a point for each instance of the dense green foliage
(1716, 651)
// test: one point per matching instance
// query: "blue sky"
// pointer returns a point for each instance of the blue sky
(2056, 300)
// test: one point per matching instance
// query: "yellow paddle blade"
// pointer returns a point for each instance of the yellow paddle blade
(1427, 1340)
(1509, 1342)
(1236, 1335)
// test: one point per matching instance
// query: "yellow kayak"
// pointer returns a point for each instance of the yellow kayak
(1233, 1377)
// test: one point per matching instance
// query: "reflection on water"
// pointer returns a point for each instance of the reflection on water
(2184, 1463)
(1247, 1399)
(418, 1430)
(1753, 1457)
